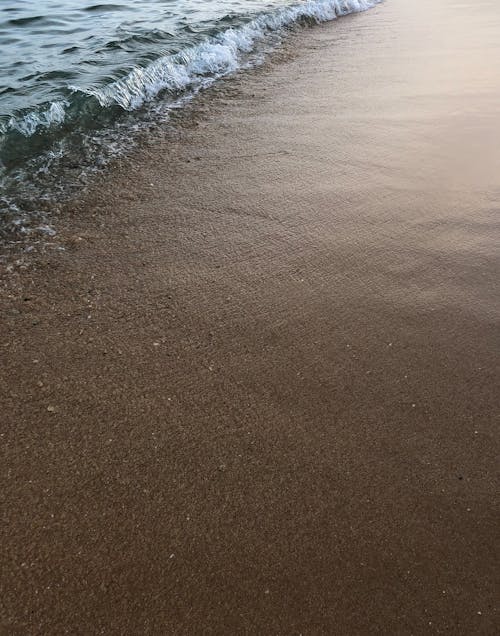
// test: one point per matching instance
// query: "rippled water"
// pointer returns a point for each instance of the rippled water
(77, 82)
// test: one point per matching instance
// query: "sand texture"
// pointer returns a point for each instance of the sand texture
(258, 392)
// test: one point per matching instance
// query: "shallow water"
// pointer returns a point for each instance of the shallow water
(75, 83)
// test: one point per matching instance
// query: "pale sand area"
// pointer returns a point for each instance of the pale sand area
(260, 395)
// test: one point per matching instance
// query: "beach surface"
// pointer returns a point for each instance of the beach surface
(258, 391)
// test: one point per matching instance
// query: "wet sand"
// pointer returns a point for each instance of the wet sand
(258, 392)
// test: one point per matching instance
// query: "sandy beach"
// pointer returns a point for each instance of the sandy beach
(257, 393)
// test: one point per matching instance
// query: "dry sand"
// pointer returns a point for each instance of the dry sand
(258, 392)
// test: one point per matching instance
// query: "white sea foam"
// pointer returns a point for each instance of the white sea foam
(28, 124)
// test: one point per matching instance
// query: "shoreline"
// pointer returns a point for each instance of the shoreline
(73, 214)
(32, 185)
(257, 394)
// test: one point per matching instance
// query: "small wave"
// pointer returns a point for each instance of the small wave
(217, 56)
(101, 8)
(26, 21)
(192, 67)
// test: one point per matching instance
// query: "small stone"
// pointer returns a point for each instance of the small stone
(51, 409)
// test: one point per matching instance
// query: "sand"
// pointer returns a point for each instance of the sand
(258, 391)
